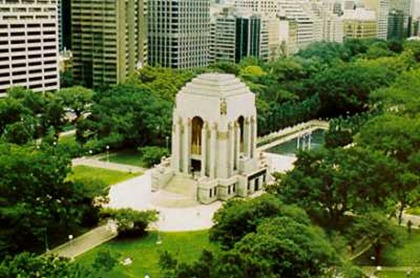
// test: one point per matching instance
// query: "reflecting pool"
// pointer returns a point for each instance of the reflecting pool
(305, 141)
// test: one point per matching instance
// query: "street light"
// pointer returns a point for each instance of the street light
(46, 240)
(71, 242)
(167, 142)
(90, 152)
(107, 153)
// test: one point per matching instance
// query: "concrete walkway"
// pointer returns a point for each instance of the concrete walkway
(95, 162)
(372, 271)
(85, 242)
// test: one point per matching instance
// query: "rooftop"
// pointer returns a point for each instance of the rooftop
(215, 84)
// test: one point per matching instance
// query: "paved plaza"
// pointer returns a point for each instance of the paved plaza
(188, 215)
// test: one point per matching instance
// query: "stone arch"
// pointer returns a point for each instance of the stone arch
(196, 140)
(241, 122)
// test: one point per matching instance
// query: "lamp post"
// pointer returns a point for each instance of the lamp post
(46, 240)
(71, 242)
(90, 152)
(167, 142)
(107, 153)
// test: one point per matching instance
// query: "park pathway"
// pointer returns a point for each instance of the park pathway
(85, 242)
(95, 162)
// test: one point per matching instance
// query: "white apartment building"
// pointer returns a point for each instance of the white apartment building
(178, 33)
(28, 45)
(308, 25)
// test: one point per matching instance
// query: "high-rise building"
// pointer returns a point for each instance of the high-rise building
(330, 23)
(265, 7)
(109, 40)
(64, 24)
(359, 24)
(29, 45)
(239, 33)
(403, 7)
(179, 33)
(308, 27)
(396, 29)
(381, 8)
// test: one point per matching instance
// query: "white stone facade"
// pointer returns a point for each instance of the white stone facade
(214, 139)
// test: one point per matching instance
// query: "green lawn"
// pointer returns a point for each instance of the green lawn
(397, 274)
(109, 177)
(406, 255)
(145, 252)
(414, 210)
(129, 157)
(68, 139)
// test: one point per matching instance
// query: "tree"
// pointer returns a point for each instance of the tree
(279, 247)
(152, 155)
(379, 230)
(131, 223)
(31, 265)
(398, 138)
(345, 88)
(37, 200)
(77, 99)
(239, 217)
(327, 52)
(328, 183)
(134, 115)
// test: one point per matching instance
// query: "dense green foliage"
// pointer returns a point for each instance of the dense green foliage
(152, 155)
(260, 238)
(37, 202)
(130, 223)
(370, 87)
(30, 265)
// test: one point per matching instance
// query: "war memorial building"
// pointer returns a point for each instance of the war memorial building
(214, 135)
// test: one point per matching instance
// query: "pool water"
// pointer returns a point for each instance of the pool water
(307, 141)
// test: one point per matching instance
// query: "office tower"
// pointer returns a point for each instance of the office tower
(403, 7)
(28, 45)
(308, 28)
(109, 40)
(337, 8)
(396, 29)
(179, 33)
(381, 8)
(64, 24)
(359, 24)
(349, 4)
(266, 7)
(239, 33)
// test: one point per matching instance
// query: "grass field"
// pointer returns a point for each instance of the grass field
(68, 139)
(407, 255)
(187, 246)
(414, 210)
(129, 157)
(109, 177)
(398, 274)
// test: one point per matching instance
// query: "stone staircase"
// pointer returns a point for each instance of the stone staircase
(181, 191)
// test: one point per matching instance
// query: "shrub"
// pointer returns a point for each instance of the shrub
(152, 154)
(131, 223)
